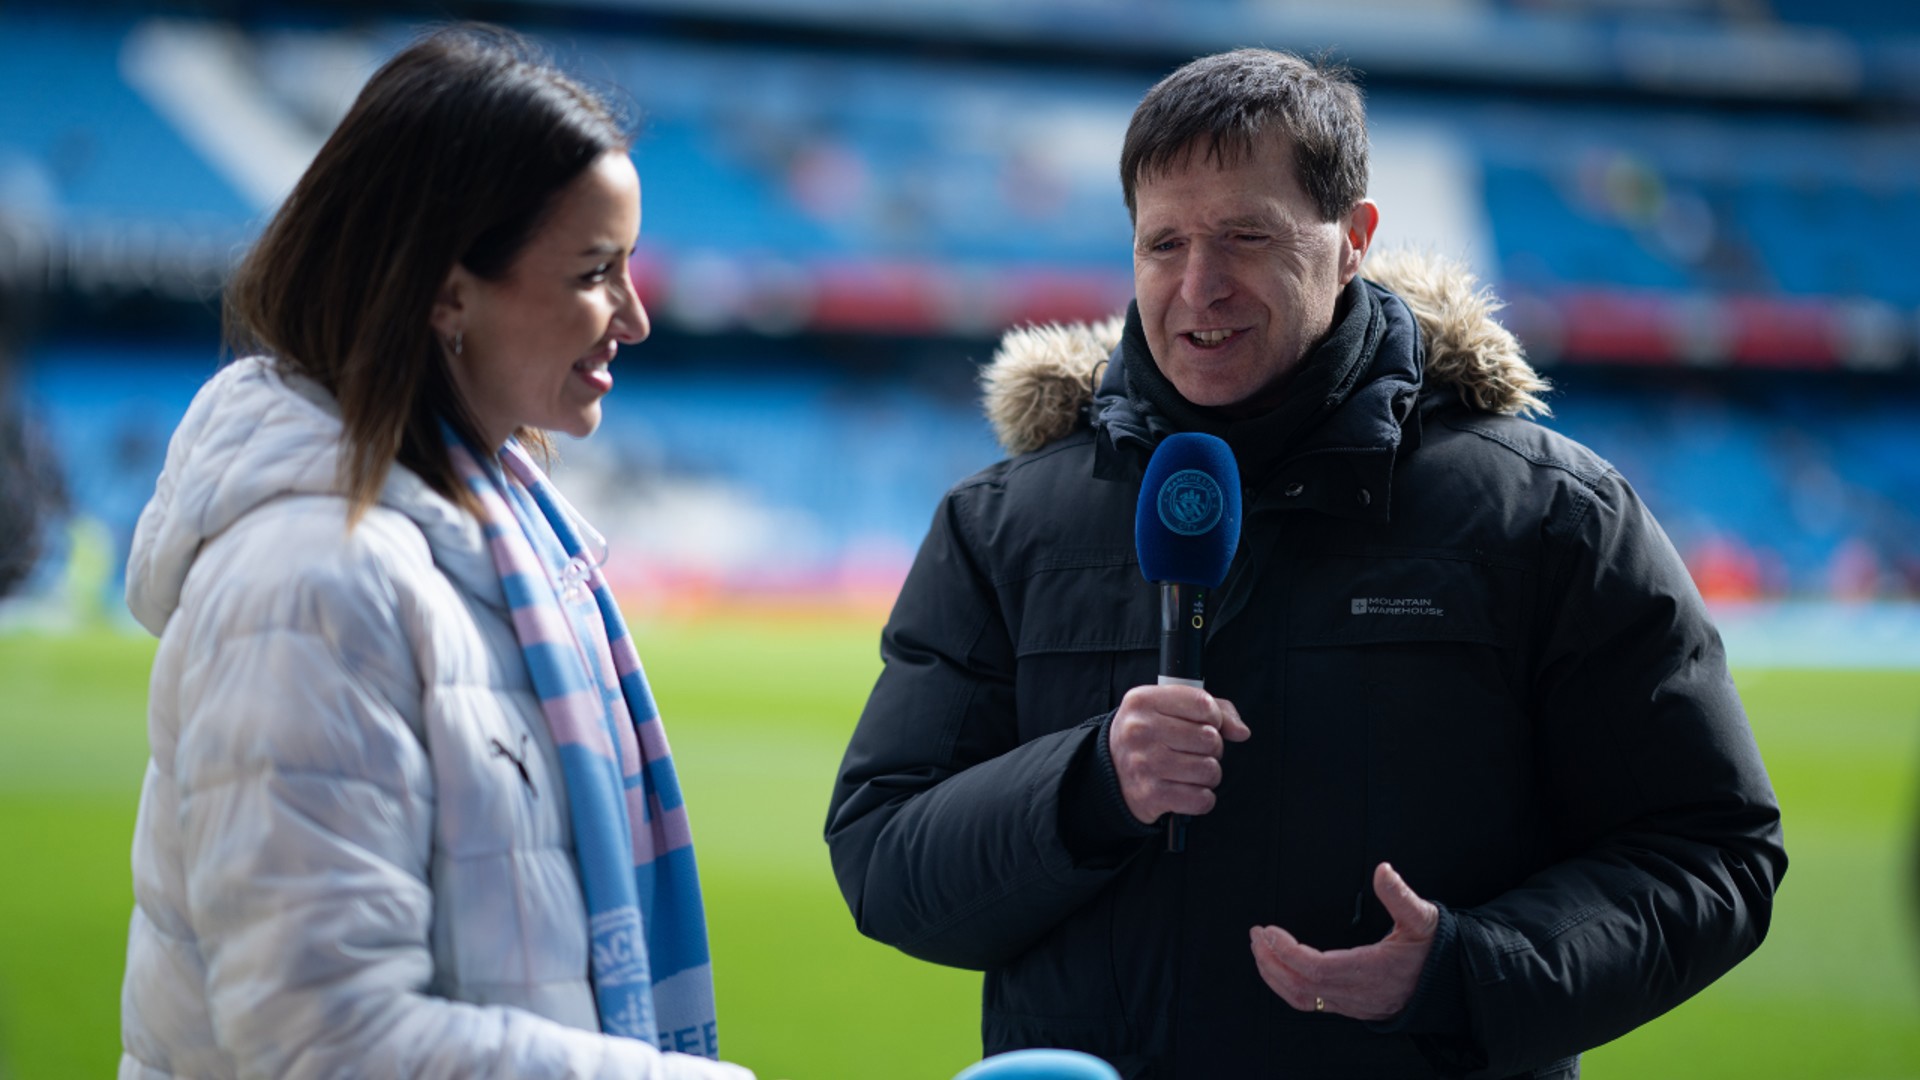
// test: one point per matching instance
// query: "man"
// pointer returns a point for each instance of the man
(1470, 788)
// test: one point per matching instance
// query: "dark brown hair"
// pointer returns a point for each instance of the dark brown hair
(1228, 100)
(453, 153)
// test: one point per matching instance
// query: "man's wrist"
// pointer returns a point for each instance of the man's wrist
(1095, 824)
(1439, 1002)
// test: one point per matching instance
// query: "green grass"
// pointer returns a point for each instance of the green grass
(758, 712)
(1835, 991)
(758, 715)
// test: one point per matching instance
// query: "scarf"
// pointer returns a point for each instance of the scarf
(1326, 377)
(652, 975)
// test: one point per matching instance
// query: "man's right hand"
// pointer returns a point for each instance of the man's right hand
(1166, 743)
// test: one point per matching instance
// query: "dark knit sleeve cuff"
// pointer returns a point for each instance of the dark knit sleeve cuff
(1439, 1002)
(1095, 824)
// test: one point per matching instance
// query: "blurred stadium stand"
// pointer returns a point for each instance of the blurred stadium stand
(1704, 215)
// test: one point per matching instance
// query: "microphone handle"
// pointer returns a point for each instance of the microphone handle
(1183, 639)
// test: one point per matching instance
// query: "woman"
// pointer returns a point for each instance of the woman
(409, 811)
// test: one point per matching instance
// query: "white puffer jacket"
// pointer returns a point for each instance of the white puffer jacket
(352, 856)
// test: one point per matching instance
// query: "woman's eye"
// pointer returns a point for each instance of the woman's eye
(598, 274)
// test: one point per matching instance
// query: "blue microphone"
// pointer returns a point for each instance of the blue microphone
(1186, 529)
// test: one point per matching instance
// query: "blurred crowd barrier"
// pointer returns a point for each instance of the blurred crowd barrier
(756, 474)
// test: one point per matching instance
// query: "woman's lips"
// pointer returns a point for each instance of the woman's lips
(593, 369)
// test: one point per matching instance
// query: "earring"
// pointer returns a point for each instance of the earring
(459, 339)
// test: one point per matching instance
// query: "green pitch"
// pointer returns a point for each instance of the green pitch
(758, 711)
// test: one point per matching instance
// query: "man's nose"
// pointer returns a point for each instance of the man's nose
(1204, 280)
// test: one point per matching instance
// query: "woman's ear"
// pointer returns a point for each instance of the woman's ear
(450, 305)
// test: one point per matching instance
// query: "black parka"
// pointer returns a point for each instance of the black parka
(1463, 647)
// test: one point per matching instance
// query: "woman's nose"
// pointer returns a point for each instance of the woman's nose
(630, 323)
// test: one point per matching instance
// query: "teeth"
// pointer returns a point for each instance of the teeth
(1211, 337)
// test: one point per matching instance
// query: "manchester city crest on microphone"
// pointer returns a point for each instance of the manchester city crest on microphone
(1190, 502)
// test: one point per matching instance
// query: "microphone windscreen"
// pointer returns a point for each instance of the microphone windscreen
(1040, 1064)
(1188, 521)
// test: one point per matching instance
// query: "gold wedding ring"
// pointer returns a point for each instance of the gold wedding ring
(1319, 1004)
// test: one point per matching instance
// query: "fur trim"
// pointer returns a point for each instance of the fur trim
(1466, 347)
(1042, 378)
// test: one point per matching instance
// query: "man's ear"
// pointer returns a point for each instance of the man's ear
(450, 304)
(1359, 225)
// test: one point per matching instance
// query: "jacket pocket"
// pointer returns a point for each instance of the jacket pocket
(1097, 983)
(1406, 687)
(1387, 595)
(1077, 613)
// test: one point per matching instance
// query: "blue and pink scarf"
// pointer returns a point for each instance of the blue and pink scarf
(652, 975)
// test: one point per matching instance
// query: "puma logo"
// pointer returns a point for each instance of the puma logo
(519, 760)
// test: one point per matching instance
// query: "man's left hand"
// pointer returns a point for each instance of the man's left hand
(1373, 982)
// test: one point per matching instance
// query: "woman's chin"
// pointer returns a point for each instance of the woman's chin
(583, 423)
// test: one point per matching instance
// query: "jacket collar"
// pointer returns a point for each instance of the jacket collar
(1339, 462)
(255, 434)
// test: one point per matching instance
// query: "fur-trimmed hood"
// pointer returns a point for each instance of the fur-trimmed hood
(1043, 377)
